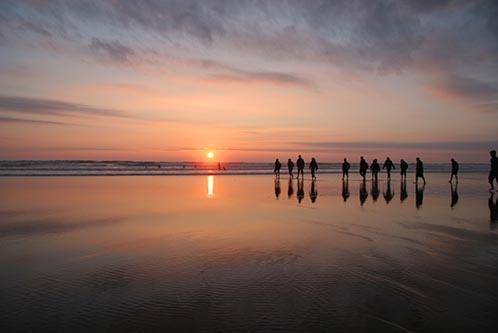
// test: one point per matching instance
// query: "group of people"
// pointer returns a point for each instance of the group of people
(300, 167)
(388, 166)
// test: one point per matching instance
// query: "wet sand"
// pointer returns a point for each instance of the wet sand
(220, 253)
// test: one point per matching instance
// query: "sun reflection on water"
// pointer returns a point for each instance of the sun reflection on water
(210, 181)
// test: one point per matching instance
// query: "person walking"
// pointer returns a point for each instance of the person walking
(363, 167)
(290, 166)
(454, 170)
(276, 170)
(419, 171)
(345, 168)
(300, 166)
(403, 166)
(388, 165)
(313, 167)
(375, 167)
(493, 173)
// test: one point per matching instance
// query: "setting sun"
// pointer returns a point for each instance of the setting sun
(210, 155)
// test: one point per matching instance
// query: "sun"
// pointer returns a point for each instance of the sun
(210, 154)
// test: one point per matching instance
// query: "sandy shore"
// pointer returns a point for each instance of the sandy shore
(247, 253)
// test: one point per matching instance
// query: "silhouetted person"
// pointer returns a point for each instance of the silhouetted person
(419, 171)
(363, 167)
(345, 189)
(300, 189)
(219, 166)
(290, 166)
(345, 168)
(290, 188)
(493, 173)
(454, 194)
(313, 191)
(404, 194)
(375, 189)
(403, 166)
(363, 192)
(389, 193)
(313, 167)
(454, 170)
(419, 195)
(277, 187)
(388, 165)
(278, 165)
(300, 166)
(493, 211)
(375, 167)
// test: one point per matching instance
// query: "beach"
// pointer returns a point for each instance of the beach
(247, 253)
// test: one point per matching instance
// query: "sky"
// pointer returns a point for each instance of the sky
(248, 80)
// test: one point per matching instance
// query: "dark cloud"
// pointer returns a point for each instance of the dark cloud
(49, 107)
(111, 50)
(12, 120)
(435, 39)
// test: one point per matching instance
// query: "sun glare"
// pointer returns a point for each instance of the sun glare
(210, 155)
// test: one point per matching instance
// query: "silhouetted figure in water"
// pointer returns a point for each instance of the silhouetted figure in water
(313, 167)
(493, 173)
(403, 166)
(277, 187)
(375, 189)
(300, 189)
(454, 170)
(300, 166)
(375, 167)
(389, 193)
(363, 192)
(345, 189)
(278, 165)
(454, 194)
(290, 188)
(219, 166)
(363, 167)
(493, 211)
(419, 171)
(388, 165)
(419, 195)
(290, 166)
(313, 191)
(345, 168)
(403, 193)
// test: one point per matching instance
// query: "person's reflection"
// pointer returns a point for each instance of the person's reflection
(313, 191)
(290, 188)
(277, 187)
(363, 192)
(389, 193)
(375, 189)
(454, 194)
(300, 189)
(493, 211)
(345, 189)
(404, 194)
(419, 195)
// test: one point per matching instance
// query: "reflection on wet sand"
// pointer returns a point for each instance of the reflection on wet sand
(300, 189)
(419, 195)
(290, 188)
(345, 189)
(313, 191)
(277, 187)
(493, 211)
(403, 193)
(388, 193)
(363, 192)
(375, 189)
(454, 194)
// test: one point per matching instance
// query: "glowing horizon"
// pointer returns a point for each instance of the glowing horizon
(172, 81)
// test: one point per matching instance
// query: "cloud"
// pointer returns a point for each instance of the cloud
(441, 145)
(267, 77)
(111, 50)
(50, 107)
(10, 120)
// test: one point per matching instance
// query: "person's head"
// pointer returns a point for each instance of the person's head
(313, 159)
(418, 159)
(345, 160)
(375, 160)
(402, 160)
(388, 158)
(290, 160)
(299, 156)
(452, 159)
(276, 160)
(361, 157)
(492, 153)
